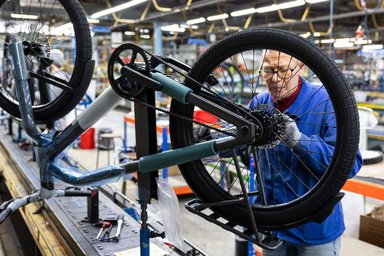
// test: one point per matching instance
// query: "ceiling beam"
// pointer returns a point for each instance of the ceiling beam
(178, 9)
(321, 19)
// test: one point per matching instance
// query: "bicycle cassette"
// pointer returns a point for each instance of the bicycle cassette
(134, 57)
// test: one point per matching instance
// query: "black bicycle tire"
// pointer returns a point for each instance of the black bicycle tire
(347, 145)
(68, 100)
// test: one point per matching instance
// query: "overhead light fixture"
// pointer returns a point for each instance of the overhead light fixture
(145, 36)
(218, 17)
(316, 34)
(195, 21)
(343, 44)
(327, 41)
(24, 16)
(362, 41)
(275, 7)
(117, 8)
(291, 4)
(305, 35)
(243, 12)
(144, 31)
(129, 33)
(172, 28)
(373, 47)
(93, 21)
(315, 1)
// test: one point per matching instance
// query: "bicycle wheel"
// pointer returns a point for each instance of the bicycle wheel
(296, 182)
(232, 80)
(45, 28)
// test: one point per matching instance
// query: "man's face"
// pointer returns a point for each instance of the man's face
(280, 72)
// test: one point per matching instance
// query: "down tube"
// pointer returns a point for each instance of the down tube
(102, 105)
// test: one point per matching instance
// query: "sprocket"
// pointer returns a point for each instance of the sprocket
(272, 124)
(132, 56)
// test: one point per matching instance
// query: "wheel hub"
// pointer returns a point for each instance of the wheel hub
(272, 126)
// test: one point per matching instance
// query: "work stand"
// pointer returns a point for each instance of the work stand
(146, 144)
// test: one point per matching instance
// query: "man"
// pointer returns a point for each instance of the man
(310, 127)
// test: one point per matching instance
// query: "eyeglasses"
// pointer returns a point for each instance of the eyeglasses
(282, 72)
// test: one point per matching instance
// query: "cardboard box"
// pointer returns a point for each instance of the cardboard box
(372, 227)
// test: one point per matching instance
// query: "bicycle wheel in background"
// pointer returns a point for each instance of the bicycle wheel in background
(214, 179)
(232, 80)
(45, 27)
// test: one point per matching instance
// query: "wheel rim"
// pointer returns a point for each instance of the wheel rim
(44, 28)
(217, 175)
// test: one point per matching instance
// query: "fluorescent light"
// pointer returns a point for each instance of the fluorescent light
(343, 44)
(291, 4)
(315, 1)
(243, 12)
(172, 28)
(373, 47)
(93, 21)
(344, 39)
(327, 41)
(144, 31)
(24, 16)
(129, 33)
(275, 7)
(145, 36)
(305, 35)
(316, 34)
(195, 21)
(117, 8)
(270, 8)
(362, 41)
(218, 17)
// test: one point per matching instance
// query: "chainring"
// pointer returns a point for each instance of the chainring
(127, 55)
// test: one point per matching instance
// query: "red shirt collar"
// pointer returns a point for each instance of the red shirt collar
(285, 103)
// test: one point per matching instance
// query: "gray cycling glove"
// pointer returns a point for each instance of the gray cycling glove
(292, 134)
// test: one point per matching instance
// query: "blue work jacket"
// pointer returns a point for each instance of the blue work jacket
(316, 123)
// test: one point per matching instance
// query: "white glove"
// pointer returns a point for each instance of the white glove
(292, 134)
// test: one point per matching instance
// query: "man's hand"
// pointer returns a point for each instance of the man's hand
(292, 134)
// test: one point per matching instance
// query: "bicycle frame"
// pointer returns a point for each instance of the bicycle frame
(49, 147)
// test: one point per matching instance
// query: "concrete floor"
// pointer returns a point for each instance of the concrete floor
(210, 238)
